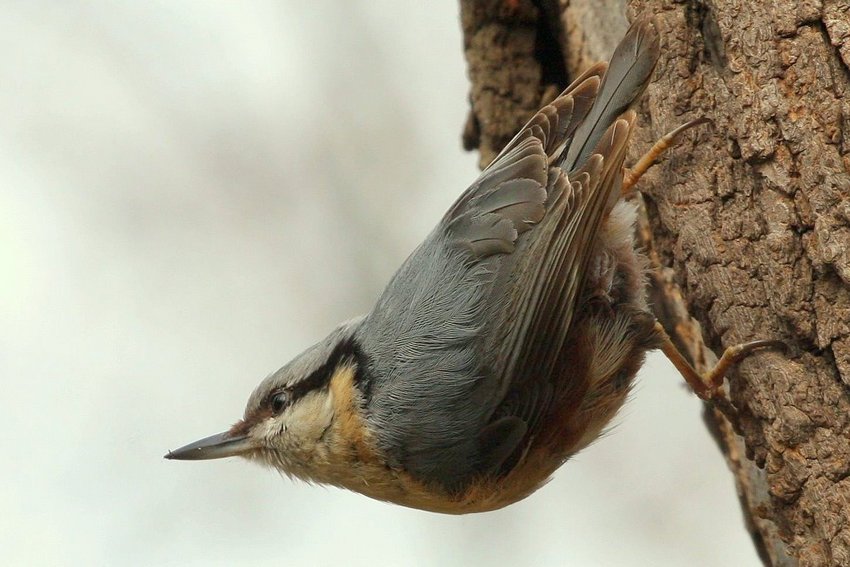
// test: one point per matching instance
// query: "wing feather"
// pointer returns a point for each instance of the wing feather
(515, 185)
(485, 305)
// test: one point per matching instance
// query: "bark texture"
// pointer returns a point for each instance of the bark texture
(748, 221)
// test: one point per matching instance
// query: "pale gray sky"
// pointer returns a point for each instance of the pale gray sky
(193, 192)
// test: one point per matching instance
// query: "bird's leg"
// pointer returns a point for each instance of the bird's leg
(707, 385)
(632, 175)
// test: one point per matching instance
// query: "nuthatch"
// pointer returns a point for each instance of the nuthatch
(508, 339)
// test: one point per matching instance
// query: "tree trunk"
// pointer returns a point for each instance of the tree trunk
(748, 219)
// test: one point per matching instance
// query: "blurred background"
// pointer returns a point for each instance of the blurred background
(193, 192)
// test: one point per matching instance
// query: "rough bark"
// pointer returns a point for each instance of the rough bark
(748, 220)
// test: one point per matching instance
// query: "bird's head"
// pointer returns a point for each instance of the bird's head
(289, 421)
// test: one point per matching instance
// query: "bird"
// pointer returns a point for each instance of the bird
(507, 340)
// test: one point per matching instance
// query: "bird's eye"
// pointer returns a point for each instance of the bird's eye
(280, 401)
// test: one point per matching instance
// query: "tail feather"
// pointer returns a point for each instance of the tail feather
(628, 74)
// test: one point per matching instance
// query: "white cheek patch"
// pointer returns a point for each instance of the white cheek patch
(311, 415)
(329, 403)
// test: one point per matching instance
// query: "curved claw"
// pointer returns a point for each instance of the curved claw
(648, 160)
(707, 385)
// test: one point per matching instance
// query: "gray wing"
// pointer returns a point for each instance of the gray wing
(435, 379)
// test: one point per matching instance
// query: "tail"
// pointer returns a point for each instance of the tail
(628, 74)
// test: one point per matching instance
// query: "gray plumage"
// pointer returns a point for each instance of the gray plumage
(484, 305)
(467, 351)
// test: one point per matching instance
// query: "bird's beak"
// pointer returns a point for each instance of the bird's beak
(214, 447)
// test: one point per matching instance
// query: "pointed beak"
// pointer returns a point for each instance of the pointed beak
(214, 447)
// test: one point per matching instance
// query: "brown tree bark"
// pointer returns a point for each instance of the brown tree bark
(748, 221)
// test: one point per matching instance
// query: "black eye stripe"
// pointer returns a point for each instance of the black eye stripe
(346, 352)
